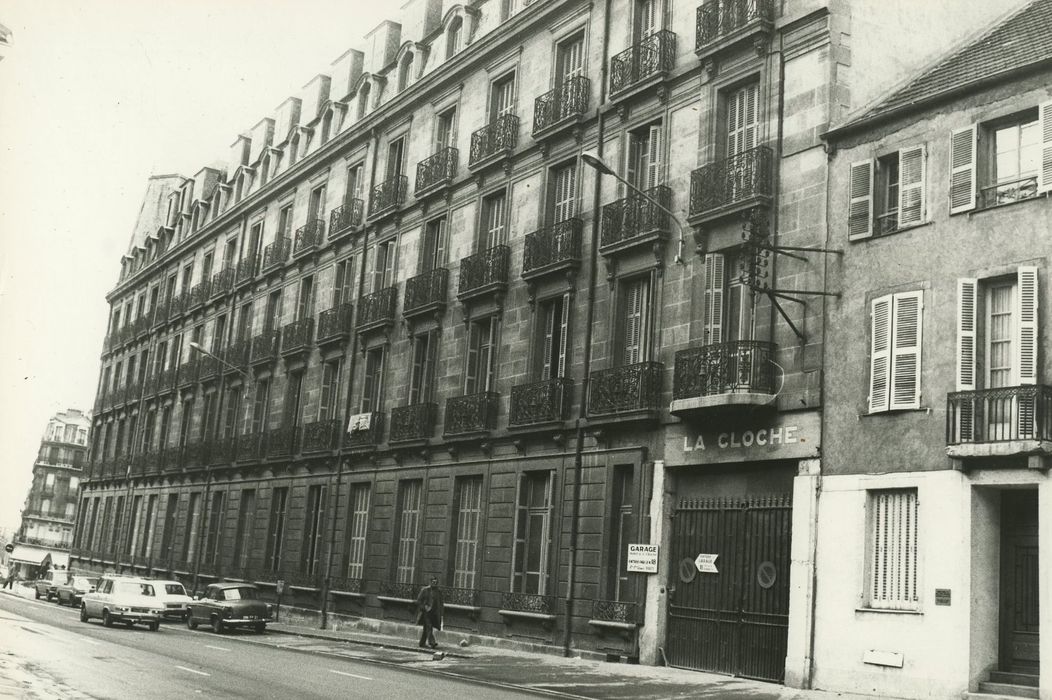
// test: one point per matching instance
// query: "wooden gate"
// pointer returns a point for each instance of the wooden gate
(735, 621)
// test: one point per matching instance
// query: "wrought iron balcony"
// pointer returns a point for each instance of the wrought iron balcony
(237, 355)
(529, 603)
(249, 447)
(377, 310)
(426, 293)
(166, 379)
(496, 139)
(552, 249)
(297, 337)
(223, 281)
(309, 236)
(541, 402)
(199, 294)
(177, 305)
(436, 171)
(207, 368)
(334, 325)
(620, 611)
(281, 441)
(651, 58)
(365, 432)
(172, 458)
(342, 584)
(345, 217)
(471, 414)
(321, 435)
(402, 591)
(626, 389)
(561, 106)
(635, 220)
(388, 196)
(484, 273)
(721, 23)
(195, 454)
(187, 374)
(160, 313)
(247, 267)
(415, 422)
(222, 450)
(732, 184)
(265, 347)
(738, 372)
(143, 324)
(1000, 422)
(132, 392)
(275, 254)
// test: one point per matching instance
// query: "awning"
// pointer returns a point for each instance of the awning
(28, 555)
(59, 560)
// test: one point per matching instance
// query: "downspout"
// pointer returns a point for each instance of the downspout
(593, 266)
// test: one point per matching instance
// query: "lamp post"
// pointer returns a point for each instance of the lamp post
(592, 160)
(197, 347)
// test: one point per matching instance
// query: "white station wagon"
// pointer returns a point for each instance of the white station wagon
(124, 599)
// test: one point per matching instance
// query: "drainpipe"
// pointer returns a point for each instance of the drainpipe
(593, 266)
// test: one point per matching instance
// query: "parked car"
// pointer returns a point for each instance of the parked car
(45, 585)
(75, 588)
(229, 605)
(174, 599)
(123, 599)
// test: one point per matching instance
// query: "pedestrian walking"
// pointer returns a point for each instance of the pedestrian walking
(429, 613)
(10, 582)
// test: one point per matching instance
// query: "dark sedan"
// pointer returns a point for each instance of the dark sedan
(229, 605)
(74, 589)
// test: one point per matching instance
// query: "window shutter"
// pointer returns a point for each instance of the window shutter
(564, 338)
(472, 368)
(911, 185)
(860, 208)
(429, 366)
(1044, 173)
(633, 309)
(967, 289)
(962, 169)
(1027, 326)
(631, 162)
(879, 356)
(713, 298)
(906, 352)
(547, 369)
(654, 156)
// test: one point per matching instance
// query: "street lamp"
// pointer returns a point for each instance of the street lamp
(217, 358)
(592, 160)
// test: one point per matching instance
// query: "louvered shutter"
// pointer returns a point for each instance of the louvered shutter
(860, 208)
(325, 399)
(893, 540)
(633, 323)
(1027, 326)
(967, 290)
(649, 18)
(429, 368)
(632, 159)
(654, 170)
(880, 353)
(911, 185)
(564, 336)
(713, 299)
(439, 256)
(1044, 172)
(906, 350)
(472, 367)
(547, 369)
(962, 169)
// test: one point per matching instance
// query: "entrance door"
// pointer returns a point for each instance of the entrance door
(737, 620)
(1019, 605)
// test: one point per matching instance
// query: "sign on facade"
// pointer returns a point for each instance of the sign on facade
(706, 563)
(643, 558)
(791, 436)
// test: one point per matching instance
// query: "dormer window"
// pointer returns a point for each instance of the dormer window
(405, 72)
(455, 37)
(363, 100)
(326, 126)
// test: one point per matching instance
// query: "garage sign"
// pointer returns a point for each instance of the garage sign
(643, 558)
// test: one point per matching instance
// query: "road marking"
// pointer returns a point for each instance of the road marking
(209, 646)
(352, 675)
(200, 673)
(91, 641)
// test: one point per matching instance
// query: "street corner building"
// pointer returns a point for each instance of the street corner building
(560, 303)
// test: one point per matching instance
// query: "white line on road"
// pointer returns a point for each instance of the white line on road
(209, 646)
(90, 641)
(200, 673)
(352, 675)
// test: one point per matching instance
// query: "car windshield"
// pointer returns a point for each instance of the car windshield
(144, 589)
(174, 589)
(240, 594)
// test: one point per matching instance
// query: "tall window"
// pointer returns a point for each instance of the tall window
(343, 282)
(408, 530)
(246, 522)
(467, 515)
(354, 183)
(494, 221)
(168, 533)
(213, 537)
(455, 37)
(643, 157)
(284, 221)
(305, 301)
(634, 321)
(892, 550)
(312, 530)
(293, 398)
(395, 158)
(569, 59)
(554, 337)
(255, 240)
(146, 548)
(445, 129)
(622, 531)
(316, 205)
(887, 194)
(273, 312)
(895, 357)
(358, 528)
(373, 380)
(261, 407)
(502, 97)
(329, 394)
(649, 18)
(136, 523)
(533, 537)
(481, 367)
(276, 528)
(421, 381)
(727, 302)
(562, 196)
(433, 246)
(383, 255)
(363, 100)
(244, 321)
(405, 72)
(742, 119)
(190, 532)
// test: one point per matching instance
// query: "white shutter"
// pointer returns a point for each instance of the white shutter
(713, 299)
(653, 174)
(1027, 326)
(471, 371)
(962, 169)
(906, 350)
(564, 338)
(632, 158)
(911, 185)
(967, 291)
(860, 208)
(633, 323)
(547, 368)
(1044, 172)
(880, 353)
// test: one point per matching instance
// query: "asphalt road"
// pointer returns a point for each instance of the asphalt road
(46, 652)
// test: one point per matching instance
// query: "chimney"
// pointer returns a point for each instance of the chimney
(239, 151)
(345, 73)
(420, 18)
(287, 117)
(262, 136)
(382, 45)
(315, 94)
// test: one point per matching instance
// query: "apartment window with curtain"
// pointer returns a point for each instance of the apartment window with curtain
(502, 96)
(408, 530)
(305, 299)
(433, 246)
(533, 536)
(644, 156)
(494, 230)
(329, 390)
(553, 337)
(892, 580)
(276, 528)
(562, 195)
(284, 222)
(422, 377)
(343, 282)
(313, 527)
(481, 362)
(888, 193)
(358, 528)
(383, 262)
(373, 380)
(316, 204)
(466, 527)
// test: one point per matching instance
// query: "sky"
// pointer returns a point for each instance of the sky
(96, 96)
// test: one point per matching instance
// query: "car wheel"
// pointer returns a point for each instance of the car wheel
(107, 621)
(260, 627)
(217, 625)
(129, 624)
(83, 613)
(154, 626)
(190, 622)
(36, 594)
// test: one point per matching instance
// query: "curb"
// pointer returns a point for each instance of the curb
(363, 642)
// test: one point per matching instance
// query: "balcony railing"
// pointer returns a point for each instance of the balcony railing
(377, 309)
(484, 272)
(541, 402)
(395, 589)
(237, 355)
(223, 281)
(281, 441)
(247, 267)
(249, 447)
(187, 373)
(1008, 191)
(553, 248)
(1004, 414)
(388, 196)
(222, 450)
(277, 252)
(718, 20)
(195, 454)
(172, 458)
(160, 313)
(321, 435)
(734, 367)
(166, 379)
(297, 336)
(415, 422)
(615, 611)
(635, 219)
(562, 105)
(309, 236)
(474, 413)
(625, 389)
(365, 432)
(345, 217)
(426, 293)
(207, 368)
(199, 294)
(334, 324)
(177, 305)
(653, 56)
(436, 171)
(529, 603)
(496, 138)
(741, 179)
(265, 347)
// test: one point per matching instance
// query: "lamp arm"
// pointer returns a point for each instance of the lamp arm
(659, 205)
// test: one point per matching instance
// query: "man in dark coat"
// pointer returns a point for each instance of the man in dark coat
(429, 613)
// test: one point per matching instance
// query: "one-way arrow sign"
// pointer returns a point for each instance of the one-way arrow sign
(706, 563)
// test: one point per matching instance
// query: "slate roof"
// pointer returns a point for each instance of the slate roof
(1022, 40)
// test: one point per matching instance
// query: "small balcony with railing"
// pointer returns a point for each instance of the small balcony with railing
(265, 348)
(276, 254)
(629, 391)
(177, 306)
(723, 375)
(249, 446)
(494, 141)
(160, 313)
(722, 24)
(388, 196)
(541, 403)
(484, 274)
(365, 431)
(223, 281)
(237, 356)
(207, 368)
(345, 218)
(556, 248)
(309, 237)
(334, 325)
(297, 338)
(166, 380)
(186, 375)
(732, 185)
(436, 172)
(471, 415)
(195, 454)
(377, 310)
(426, 294)
(246, 269)
(321, 435)
(1006, 421)
(636, 221)
(199, 294)
(222, 450)
(561, 107)
(642, 65)
(413, 423)
(282, 441)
